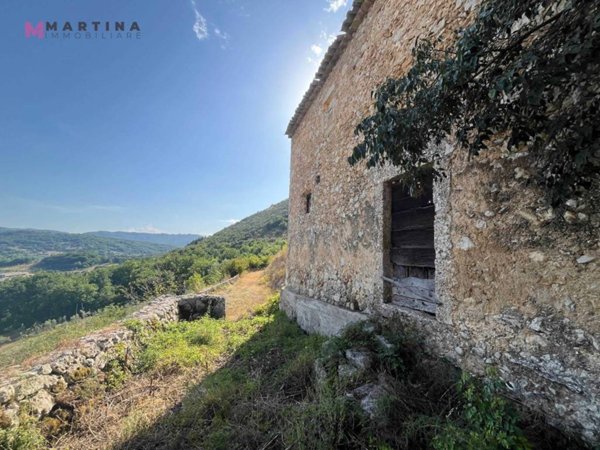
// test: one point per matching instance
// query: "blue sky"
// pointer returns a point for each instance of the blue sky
(179, 131)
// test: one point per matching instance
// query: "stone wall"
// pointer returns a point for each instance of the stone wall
(518, 289)
(39, 388)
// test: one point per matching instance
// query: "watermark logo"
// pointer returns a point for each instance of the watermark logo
(82, 30)
(37, 31)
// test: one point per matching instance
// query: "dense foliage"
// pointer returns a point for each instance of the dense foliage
(19, 246)
(248, 244)
(75, 261)
(527, 69)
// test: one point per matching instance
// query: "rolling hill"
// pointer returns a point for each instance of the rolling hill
(19, 246)
(173, 240)
(268, 224)
(46, 297)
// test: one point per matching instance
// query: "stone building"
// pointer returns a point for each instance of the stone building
(475, 262)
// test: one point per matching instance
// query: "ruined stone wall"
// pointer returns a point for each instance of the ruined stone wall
(42, 386)
(39, 387)
(518, 291)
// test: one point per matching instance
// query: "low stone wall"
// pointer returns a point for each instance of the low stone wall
(39, 387)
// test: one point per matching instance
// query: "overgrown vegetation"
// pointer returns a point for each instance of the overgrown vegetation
(282, 389)
(528, 69)
(247, 245)
(263, 383)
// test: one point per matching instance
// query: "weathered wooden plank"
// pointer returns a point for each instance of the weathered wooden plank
(418, 238)
(415, 288)
(418, 305)
(417, 257)
(413, 219)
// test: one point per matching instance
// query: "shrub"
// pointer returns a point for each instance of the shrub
(487, 421)
(24, 437)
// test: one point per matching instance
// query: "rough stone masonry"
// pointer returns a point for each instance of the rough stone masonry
(513, 291)
(38, 387)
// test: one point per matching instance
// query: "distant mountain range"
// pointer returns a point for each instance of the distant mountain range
(173, 240)
(67, 251)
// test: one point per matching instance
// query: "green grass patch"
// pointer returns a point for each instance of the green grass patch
(49, 340)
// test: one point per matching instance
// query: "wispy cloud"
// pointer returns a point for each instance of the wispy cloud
(200, 25)
(146, 229)
(335, 5)
(223, 36)
(316, 49)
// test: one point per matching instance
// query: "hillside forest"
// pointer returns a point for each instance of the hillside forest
(51, 297)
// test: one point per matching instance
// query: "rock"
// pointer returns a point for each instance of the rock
(571, 203)
(359, 358)
(369, 396)
(569, 304)
(11, 414)
(194, 307)
(569, 217)
(33, 384)
(536, 340)
(6, 393)
(585, 259)
(45, 369)
(465, 243)
(320, 372)
(547, 215)
(521, 174)
(62, 365)
(41, 403)
(489, 213)
(459, 351)
(536, 324)
(582, 217)
(384, 342)
(480, 224)
(89, 351)
(346, 371)
(537, 256)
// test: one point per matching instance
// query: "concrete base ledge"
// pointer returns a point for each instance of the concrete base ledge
(315, 316)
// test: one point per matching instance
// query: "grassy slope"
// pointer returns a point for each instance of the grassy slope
(252, 383)
(59, 336)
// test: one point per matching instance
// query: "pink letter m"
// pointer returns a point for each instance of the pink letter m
(37, 31)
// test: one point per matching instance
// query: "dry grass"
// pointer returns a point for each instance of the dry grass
(118, 417)
(247, 293)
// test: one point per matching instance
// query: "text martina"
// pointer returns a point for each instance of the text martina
(84, 30)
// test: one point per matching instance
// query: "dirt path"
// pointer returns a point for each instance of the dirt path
(248, 292)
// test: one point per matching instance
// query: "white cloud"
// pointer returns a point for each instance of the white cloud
(200, 26)
(317, 50)
(335, 5)
(329, 38)
(230, 221)
(145, 229)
